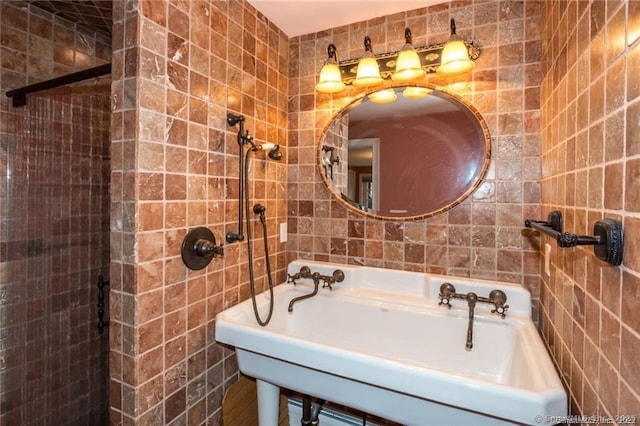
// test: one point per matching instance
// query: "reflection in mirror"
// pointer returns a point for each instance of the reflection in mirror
(414, 157)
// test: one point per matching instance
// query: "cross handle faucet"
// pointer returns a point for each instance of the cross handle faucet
(496, 297)
(305, 272)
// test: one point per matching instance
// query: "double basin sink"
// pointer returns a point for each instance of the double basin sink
(380, 342)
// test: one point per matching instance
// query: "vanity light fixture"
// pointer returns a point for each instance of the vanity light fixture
(416, 92)
(368, 73)
(330, 78)
(384, 96)
(408, 64)
(455, 55)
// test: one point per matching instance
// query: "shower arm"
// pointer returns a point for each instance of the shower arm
(243, 139)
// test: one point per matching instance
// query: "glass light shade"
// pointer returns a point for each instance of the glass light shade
(368, 73)
(455, 58)
(416, 92)
(330, 79)
(408, 66)
(383, 96)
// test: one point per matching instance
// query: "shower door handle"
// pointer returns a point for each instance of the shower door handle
(101, 322)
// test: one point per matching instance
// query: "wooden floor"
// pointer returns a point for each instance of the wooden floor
(240, 405)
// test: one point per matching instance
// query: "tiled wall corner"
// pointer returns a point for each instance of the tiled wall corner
(590, 170)
(180, 67)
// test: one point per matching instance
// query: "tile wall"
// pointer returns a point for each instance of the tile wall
(590, 170)
(54, 233)
(482, 237)
(179, 68)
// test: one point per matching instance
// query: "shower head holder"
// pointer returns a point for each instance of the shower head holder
(275, 153)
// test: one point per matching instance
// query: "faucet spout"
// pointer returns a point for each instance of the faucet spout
(472, 299)
(316, 284)
(497, 298)
(305, 272)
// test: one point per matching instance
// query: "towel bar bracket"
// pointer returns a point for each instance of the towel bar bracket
(609, 231)
(607, 241)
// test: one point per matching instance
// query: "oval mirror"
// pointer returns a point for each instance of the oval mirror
(413, 157)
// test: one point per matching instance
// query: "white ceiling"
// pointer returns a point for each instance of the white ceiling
(297, 17)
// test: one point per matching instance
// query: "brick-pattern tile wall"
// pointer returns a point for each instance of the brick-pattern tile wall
(179, 68)
(482, 237)
(590, 170)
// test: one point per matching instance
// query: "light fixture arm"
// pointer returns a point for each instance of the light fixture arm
(332, 52)
(407, 36)
(367, 44)
(453, 26)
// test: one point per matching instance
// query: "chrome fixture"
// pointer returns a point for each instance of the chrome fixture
(453, 57)
(496, 297)
(199, 248)
(305, 272)
(607, 241)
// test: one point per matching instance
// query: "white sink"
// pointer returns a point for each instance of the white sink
(379, 342)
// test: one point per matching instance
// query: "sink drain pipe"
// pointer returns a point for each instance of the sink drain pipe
(311, 410)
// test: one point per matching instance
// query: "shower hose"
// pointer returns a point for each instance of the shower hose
(259, 210)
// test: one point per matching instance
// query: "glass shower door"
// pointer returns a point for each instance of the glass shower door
(54, 246)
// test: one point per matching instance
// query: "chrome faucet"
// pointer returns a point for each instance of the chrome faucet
(496, 297)
(305, 272)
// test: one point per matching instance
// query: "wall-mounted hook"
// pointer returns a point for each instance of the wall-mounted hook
(199, 247)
